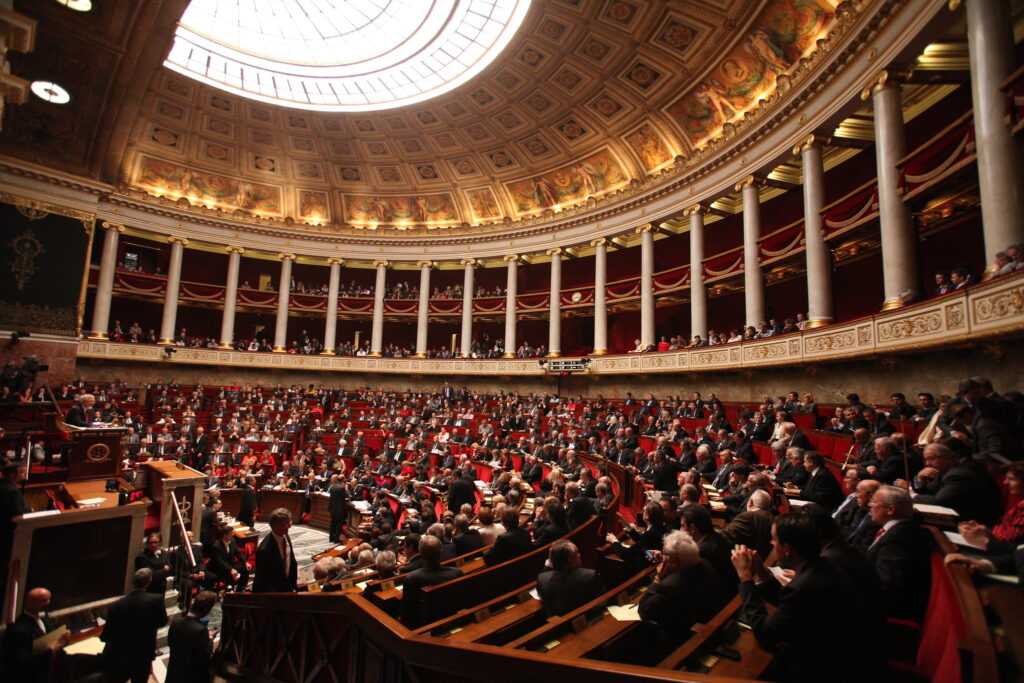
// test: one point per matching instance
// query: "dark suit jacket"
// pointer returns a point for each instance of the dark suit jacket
(460, 491)
(191, 651)
(823, 489)
(130, 631)
(223, 560)
(753, 529)
(964, 490)
(666, 476)
(893, 468)
(339, 496)
(18, 662)
(76, 416)
(412, 589)
(467, 542)
(509, 545)
(816, 619)
(800, 440)
(716, 550)
(684, 598)
(581, 509)
(549, 533)
(902, 557)
(563, 590)
(270, 575)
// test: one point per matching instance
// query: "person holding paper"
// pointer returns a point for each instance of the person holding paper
(26, 655)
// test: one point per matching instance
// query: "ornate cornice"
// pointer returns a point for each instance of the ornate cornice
(107, 225)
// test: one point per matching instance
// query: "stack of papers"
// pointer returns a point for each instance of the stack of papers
(625, 612)
(960, 540)
(935, 510)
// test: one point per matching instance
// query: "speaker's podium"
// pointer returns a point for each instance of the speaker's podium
(94, 453)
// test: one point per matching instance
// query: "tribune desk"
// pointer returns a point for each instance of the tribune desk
(164, 477)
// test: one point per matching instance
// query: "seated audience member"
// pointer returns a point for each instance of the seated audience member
(567, 585)
(511, 544)
(489, 529)
(430, 574)
(854, 518)
(956, 482)
(228, 565)
(901, 553)
(687, 589)
(817, 616)
(649, 540)
(158, 560)
(821, 487)
(1005, 536)
(696, 521)
(188, 639)
(791, 471)
(466, 540)
(753, 527)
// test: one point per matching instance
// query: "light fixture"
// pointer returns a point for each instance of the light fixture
(77, 5)
(50, 92)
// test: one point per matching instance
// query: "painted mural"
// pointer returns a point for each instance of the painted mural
(590, 177)
(313, 206)
(650, 147)
(483, 204)
(208, 188)
(400, 210)
(782, 33)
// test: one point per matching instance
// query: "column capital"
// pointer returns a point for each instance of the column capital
(286, 257)
(107, 225)
(646, 227)
(554, 251)
(599, 242)
(749, 181)
(381, 263)
(510, 257)
(335, 261)
(696, 210)
(174, 239)
(231, 248)
(468, 261)
(886, 78)
(425, 264)
(812, 140)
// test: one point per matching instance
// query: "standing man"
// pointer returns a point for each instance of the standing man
(247, 506)
(12, 504)
(20, 662)
(276, 569)
(130, 632)
(189, 643)
(78, 414)
(336, 506)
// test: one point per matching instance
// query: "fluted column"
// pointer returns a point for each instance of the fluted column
(819, 258)
(170, 316)
(105, 285)
(331, 328)
(511, 286)
(227, 322)
(423, 312)
(600, 296)
(753, 278)
(698, 292)
(284, 289)
(993, 60)
(467, 306)
(899, 237)
(555, 304)
(377, 331)
(646, 233)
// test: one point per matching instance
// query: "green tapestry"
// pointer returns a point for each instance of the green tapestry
(41, 262)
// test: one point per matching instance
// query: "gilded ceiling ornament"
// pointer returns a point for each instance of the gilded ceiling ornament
(26, 248)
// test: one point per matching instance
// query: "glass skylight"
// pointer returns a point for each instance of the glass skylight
(341, 55)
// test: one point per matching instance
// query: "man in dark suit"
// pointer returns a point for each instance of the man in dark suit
(227, 563)
(687, 589)
(901, 554)
(189, 642)
(153, 557)
(276, 569)
(696, 521)
(430, 574)
(78, 415)
(130, 632)
(462, 490)
(794, 438)
(336, 506)
(821, 487)
(511, 544)
(209, 523)
(957, 484)
(817, 614)
(19, 662)
(247, 505)
(581, 508)
(666, 473)
(12, 504)
(753, 527)
(567, 585)
(466, 540)
(188, 572)
(200, 448)
(854, 518)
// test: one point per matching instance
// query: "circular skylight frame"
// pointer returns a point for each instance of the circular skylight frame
(430, 52)
(48, 91)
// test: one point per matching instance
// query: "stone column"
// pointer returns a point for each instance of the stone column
(819, 258)
(555, 304)
(698, 292)
(284, 289)
(170, 317)
(993, 60)
(423, 312)
(105, 285)
(600, 296)
(331, 328)
(466, 342)
(511, 286)
(899, 236)
(227, 323)
(377, 331)
(647, 336)
(753, 278)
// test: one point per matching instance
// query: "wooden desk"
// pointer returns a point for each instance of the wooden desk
(164, 477)
(96, 488)
(494, 623)
(291, 501)
(319, 515)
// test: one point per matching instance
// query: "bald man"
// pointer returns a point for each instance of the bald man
(19, 662)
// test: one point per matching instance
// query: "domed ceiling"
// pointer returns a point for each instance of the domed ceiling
(588, 97)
